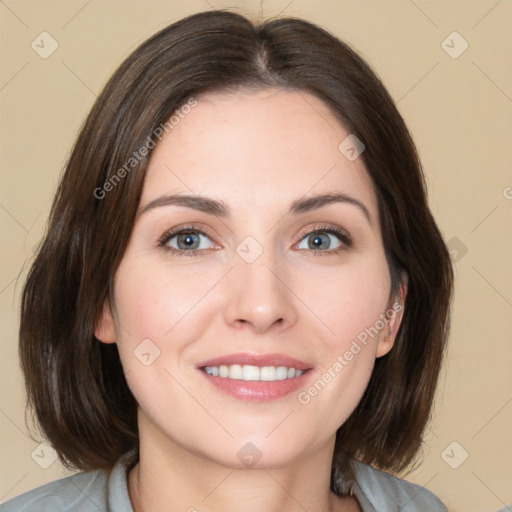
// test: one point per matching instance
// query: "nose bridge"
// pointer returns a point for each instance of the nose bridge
(258, 294)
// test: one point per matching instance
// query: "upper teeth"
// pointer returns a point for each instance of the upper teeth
(248, 372)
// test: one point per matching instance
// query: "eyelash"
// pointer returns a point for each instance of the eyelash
(342, 236)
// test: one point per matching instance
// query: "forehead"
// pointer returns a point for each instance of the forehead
(256, 148)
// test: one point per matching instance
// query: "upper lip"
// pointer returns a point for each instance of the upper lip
(257, 360)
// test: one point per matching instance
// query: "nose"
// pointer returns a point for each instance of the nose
(260, 296)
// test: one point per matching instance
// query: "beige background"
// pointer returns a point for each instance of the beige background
(459, 111)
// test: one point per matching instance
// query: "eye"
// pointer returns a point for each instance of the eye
(191, 241)
(185, 241)
(326, 239)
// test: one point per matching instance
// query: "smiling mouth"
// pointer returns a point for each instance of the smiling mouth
(257, 377)
(253, 373)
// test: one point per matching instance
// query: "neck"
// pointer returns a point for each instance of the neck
(169, 477)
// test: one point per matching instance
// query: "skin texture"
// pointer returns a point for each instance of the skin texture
(256, 152)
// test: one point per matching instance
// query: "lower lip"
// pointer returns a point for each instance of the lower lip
(262, 391)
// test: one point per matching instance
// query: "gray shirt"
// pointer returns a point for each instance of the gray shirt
(107, 491)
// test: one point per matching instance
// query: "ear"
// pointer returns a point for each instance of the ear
(104, 329)
(393, 318)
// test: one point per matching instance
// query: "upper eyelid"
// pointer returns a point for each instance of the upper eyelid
(173, 232)
(342, 234)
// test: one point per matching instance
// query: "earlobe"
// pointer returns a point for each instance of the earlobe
(384, 345)
(104, 329)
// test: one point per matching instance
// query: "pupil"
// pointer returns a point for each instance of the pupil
(188, 239)
(317, 241)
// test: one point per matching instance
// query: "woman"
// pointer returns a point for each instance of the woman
(186, 339)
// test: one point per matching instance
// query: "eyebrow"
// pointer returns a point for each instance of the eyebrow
(220, 209)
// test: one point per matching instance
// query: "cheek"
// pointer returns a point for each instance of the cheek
(351, 306)
(151, 301)
(352, 302)
(147, 307)
(160, 311)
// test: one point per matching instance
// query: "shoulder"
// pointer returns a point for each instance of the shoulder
(387, 492)
(82, 492)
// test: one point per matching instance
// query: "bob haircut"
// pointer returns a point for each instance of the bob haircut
(75, 384)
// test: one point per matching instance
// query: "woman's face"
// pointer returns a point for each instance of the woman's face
(262, 279)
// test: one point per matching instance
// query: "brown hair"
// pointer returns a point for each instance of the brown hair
(75, 384)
